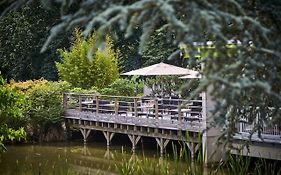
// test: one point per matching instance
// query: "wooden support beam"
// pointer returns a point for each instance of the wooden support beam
(134, 140)
(162, 143)
(85, 133)
(193, 147)
(108, 136)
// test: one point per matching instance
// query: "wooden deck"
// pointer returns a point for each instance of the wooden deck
(159, 119)
(135, 121)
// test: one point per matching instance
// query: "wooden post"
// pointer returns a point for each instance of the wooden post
(94, 104)
(212, 152)
(134, 141)
(65, 97)
(80, 102)
(116, 106)
(97, 105)
(193, 148)
(162, 144)
(108, 136)
(135, 107)
(156, 108)
(85, 133)
(179, 111)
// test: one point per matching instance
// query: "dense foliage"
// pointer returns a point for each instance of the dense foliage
(124, 87)
(158, 49)
(84, 66)
(11, 105)
(22, 35)
(131, 58)
(44, 109)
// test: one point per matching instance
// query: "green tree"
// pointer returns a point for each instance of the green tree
(11, 105)
(100, 70)
(158, 49)
(131, 58)
(22, 34)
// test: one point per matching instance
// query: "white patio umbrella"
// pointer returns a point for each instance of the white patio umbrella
(160, 69)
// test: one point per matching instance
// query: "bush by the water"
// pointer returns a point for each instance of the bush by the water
(11, 117)
(43, 108)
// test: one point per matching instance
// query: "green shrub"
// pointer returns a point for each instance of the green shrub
(10, 112)
(83, 70)
(43, 108)
(87, 91)
(123, 87)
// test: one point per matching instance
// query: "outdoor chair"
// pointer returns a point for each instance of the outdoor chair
(140, 112)
(196, 112)
(105, 106)
(92, 107)
(174, 104)
(87, 105)
(123, 107)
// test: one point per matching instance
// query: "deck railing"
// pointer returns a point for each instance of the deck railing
(149, 107)
(269, 131)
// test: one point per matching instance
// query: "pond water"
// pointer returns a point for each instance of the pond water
(71, 158)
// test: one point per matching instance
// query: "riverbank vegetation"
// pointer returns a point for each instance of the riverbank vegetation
(11, 104)
(37, 108)
(37, 50)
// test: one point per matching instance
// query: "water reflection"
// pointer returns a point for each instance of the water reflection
(70, 158)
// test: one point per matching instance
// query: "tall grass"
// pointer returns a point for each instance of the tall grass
(182, 164)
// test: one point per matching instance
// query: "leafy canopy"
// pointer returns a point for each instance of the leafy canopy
(85, 66)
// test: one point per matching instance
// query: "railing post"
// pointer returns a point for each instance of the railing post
(179, 111)
(65, 96)
(94, 104)
(80, 102)
(135, 107)
(156, 108)
(97, 105)
(241, 128)
(116, 106)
